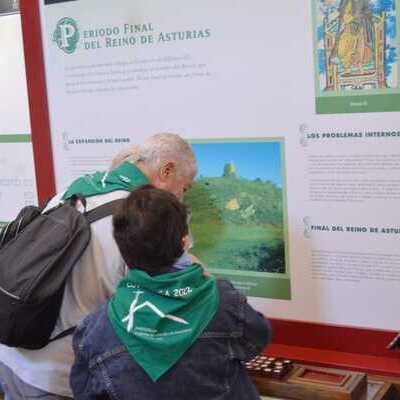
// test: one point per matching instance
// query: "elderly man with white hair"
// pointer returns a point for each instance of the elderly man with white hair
(164, 160)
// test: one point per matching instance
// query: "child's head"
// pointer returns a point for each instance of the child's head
(149, 229)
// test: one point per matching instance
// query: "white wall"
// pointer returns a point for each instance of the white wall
(17, 178)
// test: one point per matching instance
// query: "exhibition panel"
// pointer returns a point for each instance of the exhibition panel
(296, 196)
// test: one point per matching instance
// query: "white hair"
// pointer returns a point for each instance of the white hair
(157, 149)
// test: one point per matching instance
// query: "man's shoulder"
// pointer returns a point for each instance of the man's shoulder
(100, 199)
(91, 201)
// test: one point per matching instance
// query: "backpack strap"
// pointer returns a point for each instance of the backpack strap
(100, 212)
(67, 332)
(103, 211)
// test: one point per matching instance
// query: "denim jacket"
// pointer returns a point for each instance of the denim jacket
(211, 369)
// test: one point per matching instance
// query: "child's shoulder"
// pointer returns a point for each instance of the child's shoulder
(227, 320)
(95, 332)
(228, 293)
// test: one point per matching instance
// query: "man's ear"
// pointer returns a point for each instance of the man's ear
(167, 170)
(186, 242)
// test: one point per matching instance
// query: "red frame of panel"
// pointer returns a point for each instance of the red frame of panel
(37, 93)
(328, 345)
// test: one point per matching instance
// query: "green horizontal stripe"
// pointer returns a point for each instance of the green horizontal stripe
(270, 288)
(358, 104)
(15, 138)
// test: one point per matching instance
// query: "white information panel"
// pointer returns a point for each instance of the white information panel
(297, 208)
(17, 174)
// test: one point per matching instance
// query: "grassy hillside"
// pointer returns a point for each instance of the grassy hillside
(259, 202)
(238, 223)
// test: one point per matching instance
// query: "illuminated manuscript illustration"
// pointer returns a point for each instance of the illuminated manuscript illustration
(356, 55)
(238, 214)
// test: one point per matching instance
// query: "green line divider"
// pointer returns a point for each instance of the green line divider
(358, 104)
(15, 138)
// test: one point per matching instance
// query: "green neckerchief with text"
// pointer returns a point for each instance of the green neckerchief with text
(125, 177)
(158, 318)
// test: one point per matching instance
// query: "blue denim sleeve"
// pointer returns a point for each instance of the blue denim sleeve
(256, 332)
(80, 376)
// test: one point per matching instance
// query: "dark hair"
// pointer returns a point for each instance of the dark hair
(149, 228)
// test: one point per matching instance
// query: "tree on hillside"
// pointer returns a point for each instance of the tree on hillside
(230, 170)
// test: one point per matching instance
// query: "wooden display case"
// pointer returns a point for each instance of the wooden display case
(306, 382)
(315, 383)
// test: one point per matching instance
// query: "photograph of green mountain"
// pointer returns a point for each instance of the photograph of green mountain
(238, 206)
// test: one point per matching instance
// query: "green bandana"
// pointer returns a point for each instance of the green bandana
(158, 318)
(126, 177)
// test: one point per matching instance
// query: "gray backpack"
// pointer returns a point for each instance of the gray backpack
(37, 253)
